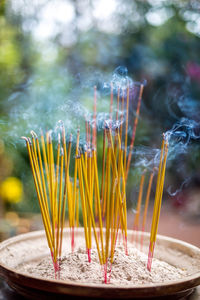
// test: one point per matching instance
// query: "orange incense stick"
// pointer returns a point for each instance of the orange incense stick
(75, 176)
(138, 208)
(146, 207)
(111, 101)
(94, 132)
(118, 96)
(86, 129)
(122, 116)
(126, 129)
(103, 166)
(134, 130)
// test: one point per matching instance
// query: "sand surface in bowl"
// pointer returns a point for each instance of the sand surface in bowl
(128, 269)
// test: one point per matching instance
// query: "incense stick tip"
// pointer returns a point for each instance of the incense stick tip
(33, 134)
(61, 151)
(59, 138)
(24, 138)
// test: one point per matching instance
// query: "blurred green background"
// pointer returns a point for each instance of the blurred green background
(51, 55)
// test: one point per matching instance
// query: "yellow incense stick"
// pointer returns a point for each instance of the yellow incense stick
(101, 260)
(44, 217)
(115, 172)
(108, 201)
(37, 173)
(161, 190)
(158, 200)
(65, 188)
(77, 206)
(52, 187)
(75, 175)
(83, 201)
(88, 167)
(89, 200)
(96, 182)
(45, 160)
(103, 166)
(69, 191)
(58, 249)
(105, 188)
(42, 174)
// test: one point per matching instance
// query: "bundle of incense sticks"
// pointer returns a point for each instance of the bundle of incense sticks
(103, 200)
(157, 203)
(52, 191)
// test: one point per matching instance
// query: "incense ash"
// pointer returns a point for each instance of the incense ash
(126, 269)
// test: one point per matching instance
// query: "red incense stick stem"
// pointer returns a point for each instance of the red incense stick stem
(89, 255)
(150, 256)
(105, 273)
(72, 240)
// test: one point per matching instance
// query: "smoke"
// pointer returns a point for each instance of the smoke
(40, 103)
(185, 183)
(146, 158)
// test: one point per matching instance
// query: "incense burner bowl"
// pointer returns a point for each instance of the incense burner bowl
(33, 246)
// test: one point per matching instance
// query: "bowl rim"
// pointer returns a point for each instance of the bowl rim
(55, 285)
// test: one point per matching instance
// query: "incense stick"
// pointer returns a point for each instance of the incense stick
(138, 208)
(146, 207)
(134, 130)
(158, 200)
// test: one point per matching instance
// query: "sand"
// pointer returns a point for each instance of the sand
(126, 269)
(29, 255)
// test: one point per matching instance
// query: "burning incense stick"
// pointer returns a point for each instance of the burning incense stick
(126, 129)
(138, 208)
(94, 132)
(158, 200)
(146, 207)
(111, 101)
(53, 204)
(103, 171)
(134, 130)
